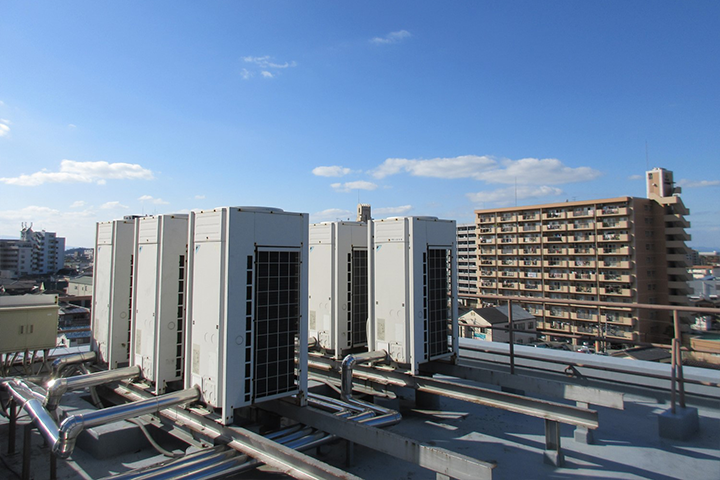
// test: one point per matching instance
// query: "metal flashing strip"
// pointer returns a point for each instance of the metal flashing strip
(439, 460)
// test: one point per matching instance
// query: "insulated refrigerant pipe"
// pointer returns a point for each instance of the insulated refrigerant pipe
(62, 439)
(60, 364)
(347, 367)
(57, 387)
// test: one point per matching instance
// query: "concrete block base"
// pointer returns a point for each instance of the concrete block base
(584, 435)
(679, 425)
(554, 457)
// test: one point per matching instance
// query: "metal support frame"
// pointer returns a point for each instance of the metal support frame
(553, 452)
(492, 398)
(27, 450)
(12, 426)
(285, 459)
(439, 460)
(531, 384)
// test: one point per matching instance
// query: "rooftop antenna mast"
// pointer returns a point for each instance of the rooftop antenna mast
(647, 157)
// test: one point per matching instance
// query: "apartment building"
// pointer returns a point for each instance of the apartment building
(621, 250)
(466, 258)
(35, 253)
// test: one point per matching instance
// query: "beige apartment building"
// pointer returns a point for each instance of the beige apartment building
(621, 250)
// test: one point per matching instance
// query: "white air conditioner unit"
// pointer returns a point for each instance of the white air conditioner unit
(112, 285)
(338, 285)
(247, 306)
(415, 289)
(158, 334)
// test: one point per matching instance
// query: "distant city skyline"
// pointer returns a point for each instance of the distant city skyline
(416, 108)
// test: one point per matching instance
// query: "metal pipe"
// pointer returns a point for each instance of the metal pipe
(347, 366)
(59, 364)
(71, 427)
(57, 387)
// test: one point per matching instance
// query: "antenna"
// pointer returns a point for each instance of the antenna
(647, 157)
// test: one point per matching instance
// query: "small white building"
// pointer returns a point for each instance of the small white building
(491, 324)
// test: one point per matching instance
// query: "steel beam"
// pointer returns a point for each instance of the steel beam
(538, 386)
(438, 460)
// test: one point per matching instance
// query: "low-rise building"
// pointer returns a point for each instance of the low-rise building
(491, 324)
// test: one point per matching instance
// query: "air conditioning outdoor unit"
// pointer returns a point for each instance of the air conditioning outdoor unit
(247, 306)
(158, 333)
(415, 289)
(338, 285)
(112, 291)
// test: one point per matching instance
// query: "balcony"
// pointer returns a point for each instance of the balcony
(531, 239)
(487, 273)
(553, 250)
(529, 216)
(583, 212)
(615, 251)
(530, 227)
(609, 210)
(555, 263)
(556, 288)
(583, 238)
(531, 262)
(584, 316)
(554, 227)
(613, 224)
(530, 250)
(506, 217)
(488, 262)
(584, 276)
(613, 318)
(581, 226)
(508, 285)
(615, 277)
(486, 218)
(488, 240)
(677, 221)
(614, 237)
(508, 251)
(583, 262)
(620, 334)
(507, 229)
(555, 237)
(537, 275)
(678, 233)
(583, 251)
(557, 313)
(529, 286)
(553, 214)
(556, 276)
(510, 239)
(615, 291)
(509, 274)
(555, 326)
(624, 264)
(486, 230)
(583, 289)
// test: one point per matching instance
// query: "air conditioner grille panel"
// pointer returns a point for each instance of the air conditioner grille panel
(277, 319)
(437, 299)
(359, 297)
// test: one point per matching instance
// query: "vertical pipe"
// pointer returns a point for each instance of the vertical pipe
(370, 329)
(27, 445)
(672, 376)
(512, 338)
(53, 466)
(678, 359)
(13, 426)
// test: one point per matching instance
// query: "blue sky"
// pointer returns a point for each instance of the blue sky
(418, 108)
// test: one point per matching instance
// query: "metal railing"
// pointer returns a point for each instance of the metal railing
(677, 393)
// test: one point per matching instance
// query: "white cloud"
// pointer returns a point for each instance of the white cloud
(78, 204)
(78, 226)
(72, 125)
(526, 171)
(156, 201)
(264, 66)
(331, 214)
(507, 195)
(391, 211)
(685, 183)
(392, 37)
(112, 205)
(357, 185)
(636, 177)
(86, 172)
(331, 171)
(4, 127)
(199, 197)
(458, 167)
